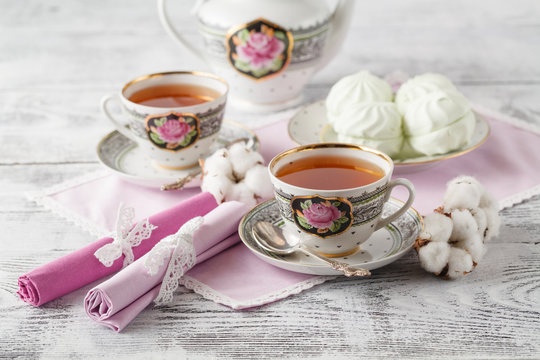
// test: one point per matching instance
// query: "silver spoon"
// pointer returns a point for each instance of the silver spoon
(271, 238)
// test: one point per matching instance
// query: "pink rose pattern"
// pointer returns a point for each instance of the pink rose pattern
(173, 131)
(322, 216)
(260, 49)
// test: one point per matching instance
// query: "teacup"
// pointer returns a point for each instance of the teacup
(173, 116)
(331, 195)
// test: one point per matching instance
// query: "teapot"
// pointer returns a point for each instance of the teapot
(267, 50)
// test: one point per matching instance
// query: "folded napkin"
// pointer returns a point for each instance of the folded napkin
(81, 267)
(118, 300)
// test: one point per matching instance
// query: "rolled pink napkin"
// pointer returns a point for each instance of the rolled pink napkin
(81, 267)
(118, 300)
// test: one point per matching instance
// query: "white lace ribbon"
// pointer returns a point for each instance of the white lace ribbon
(124, 238)
(182, 259)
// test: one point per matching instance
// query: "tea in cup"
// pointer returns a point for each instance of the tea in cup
(331, 195)
(174, 116)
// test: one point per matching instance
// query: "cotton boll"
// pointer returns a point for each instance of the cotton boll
(487, 201)
(434, 256)
(218, 185)
(481, 220)
(241, 192)
(464, 225)
(493, 223)
(243, 159)
(218, 163)
(438, 226)
(258, 181)
(474, 245)
(463, 192)
(459, 263)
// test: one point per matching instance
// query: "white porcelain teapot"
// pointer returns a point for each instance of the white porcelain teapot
(267, 50)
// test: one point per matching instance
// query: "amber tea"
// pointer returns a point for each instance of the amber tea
(329, 172)
(173, 95)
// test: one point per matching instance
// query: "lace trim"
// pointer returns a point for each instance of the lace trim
(512, 200)
(507, 119)
(125, 238)
(43, 198)
(213, 295)
(182, 259)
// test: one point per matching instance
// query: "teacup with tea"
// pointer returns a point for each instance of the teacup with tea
(174, 116)
(331, 195)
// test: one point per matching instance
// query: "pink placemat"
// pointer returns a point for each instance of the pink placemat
(506, 164)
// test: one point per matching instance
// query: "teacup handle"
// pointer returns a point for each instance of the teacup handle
(410, 188)
(122, 129)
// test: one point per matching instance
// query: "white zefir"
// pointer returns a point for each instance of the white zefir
(374, 124)
(352, 89)
(438, 123)
(419, 86)
(361, 111)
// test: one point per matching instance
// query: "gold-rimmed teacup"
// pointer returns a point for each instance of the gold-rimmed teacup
(335, 222)
(174, 134)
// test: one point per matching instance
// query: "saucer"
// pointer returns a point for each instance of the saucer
(309, 126)
(126, 159)
(385, 246)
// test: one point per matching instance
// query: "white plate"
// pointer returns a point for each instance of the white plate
(309, 126)
(126, 159)
(382, 248)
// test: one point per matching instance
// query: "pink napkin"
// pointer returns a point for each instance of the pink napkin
(505, 164)
(116, 301)
(81, 267)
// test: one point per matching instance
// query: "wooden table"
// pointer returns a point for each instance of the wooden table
(58, 58)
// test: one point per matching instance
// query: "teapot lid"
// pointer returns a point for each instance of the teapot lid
(290, 14)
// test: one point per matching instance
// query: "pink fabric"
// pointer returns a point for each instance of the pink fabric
(506, 164)
(81, 267)
(126, 292)
(260, 281)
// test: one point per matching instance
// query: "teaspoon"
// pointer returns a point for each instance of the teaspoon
(271, 238)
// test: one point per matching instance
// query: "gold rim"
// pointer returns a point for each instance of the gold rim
(340, 254)
(196, 73)
(327, 146)
(175, 167)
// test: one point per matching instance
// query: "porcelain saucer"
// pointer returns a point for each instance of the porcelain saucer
(125, 158)
(384, 247)
(310, 126)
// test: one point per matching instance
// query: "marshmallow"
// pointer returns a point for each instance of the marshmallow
(419, 86)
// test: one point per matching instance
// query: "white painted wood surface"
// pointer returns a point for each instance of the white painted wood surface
(58, 58)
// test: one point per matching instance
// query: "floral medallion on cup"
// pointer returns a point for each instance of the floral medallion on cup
(260, 49)
(173, 131)
(322, 216)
